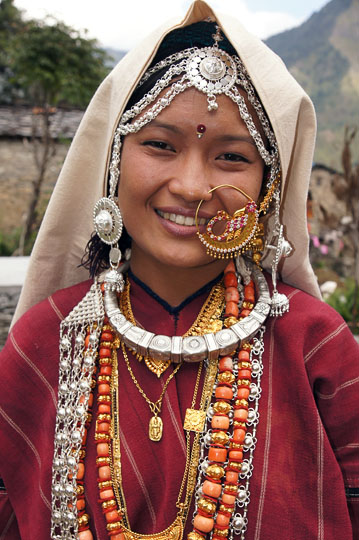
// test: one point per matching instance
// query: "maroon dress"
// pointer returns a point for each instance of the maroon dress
(305, 481)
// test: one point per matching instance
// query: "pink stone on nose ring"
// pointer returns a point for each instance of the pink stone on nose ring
(240, 229)
(201, 128)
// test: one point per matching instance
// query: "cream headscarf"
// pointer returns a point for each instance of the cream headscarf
(67, 225)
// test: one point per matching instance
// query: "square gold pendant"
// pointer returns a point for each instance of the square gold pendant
(194, 420)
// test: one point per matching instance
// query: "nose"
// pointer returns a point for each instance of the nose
(191, 181)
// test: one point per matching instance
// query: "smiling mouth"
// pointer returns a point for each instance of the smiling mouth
(187, 221)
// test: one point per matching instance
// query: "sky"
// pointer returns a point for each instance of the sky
(121, 24)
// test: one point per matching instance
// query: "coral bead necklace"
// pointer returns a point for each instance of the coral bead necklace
(221, 480)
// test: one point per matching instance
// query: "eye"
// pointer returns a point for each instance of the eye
(231, 156)
(160, 145)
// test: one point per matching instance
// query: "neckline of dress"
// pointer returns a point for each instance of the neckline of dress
(174, 311)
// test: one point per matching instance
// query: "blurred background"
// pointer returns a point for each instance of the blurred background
(54, 54)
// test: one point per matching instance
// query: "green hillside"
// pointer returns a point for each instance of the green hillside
(323, 55)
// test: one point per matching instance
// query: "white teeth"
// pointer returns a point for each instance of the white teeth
(182, 220)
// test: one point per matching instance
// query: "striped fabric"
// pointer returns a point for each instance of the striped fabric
(305, 480)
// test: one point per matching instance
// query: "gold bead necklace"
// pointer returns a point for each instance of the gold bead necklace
(208, 320)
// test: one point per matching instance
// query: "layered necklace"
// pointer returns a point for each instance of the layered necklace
(219, 454)
(209, 318)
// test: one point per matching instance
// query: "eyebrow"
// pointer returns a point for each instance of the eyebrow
(163, 125)
(236, 138)
(221, 138)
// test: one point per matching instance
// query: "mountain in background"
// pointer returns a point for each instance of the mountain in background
(323, 55)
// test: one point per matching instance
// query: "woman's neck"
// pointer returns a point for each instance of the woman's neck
(171, 283)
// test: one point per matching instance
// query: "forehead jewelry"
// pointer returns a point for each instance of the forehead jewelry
(201, 128)
(211, 71)
(239, 232)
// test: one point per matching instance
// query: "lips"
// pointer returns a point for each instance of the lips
(180, 222)
(180, 219)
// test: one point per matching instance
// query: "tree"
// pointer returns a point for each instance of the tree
(10, 24)
(54, 64)
(348, 191)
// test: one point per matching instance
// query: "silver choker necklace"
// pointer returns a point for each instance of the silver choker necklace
(190, 348)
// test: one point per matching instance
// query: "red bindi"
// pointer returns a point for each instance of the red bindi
(201, 128)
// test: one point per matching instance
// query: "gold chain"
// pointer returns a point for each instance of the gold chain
(208, 320)
(156, 424)
(175, 530)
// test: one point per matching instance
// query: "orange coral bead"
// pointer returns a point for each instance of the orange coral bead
(231, 309)
(107, 494)
(243, 356)
(244, 313)
(83, 399)
(241, 414)
(230, 280)
(80, 471)
(119, 536)
(105, 352)
(224, 392)
(230, 268)
(226, 363)
(232, 477)
(81, 503)
(104, 427)
(220, 422)
(244, 374)
(217, 454)
(211, 489)
(232, 295)
(222, 520)
(243, 393)
(249, 294)
(103, 388)
(84, 438)
(203, 524)
(104, 408)
(104, 473)
(85, 535)
(106, 370)
(103, 449)
(106, 336)
(239, 435)
(235, 454)
(228, 499)
(112, 516)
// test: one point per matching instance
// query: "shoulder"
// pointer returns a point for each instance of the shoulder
(35, 335)
(315, 325)
(53, 309)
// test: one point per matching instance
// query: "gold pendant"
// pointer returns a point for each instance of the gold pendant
(155, 428)
(157, 366)
(194, 420)
(173, 532)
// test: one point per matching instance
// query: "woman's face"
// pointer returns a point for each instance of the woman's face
(166, 170)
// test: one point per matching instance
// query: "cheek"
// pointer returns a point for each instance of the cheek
(231, 200)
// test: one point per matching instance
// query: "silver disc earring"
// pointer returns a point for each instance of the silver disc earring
(107, 221)
(280, 302)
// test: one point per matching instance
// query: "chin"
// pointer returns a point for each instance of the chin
(186, 259)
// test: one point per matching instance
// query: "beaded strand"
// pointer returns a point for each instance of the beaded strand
(216, 502)
(83, 518)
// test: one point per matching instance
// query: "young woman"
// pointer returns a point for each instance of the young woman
(181, 392)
